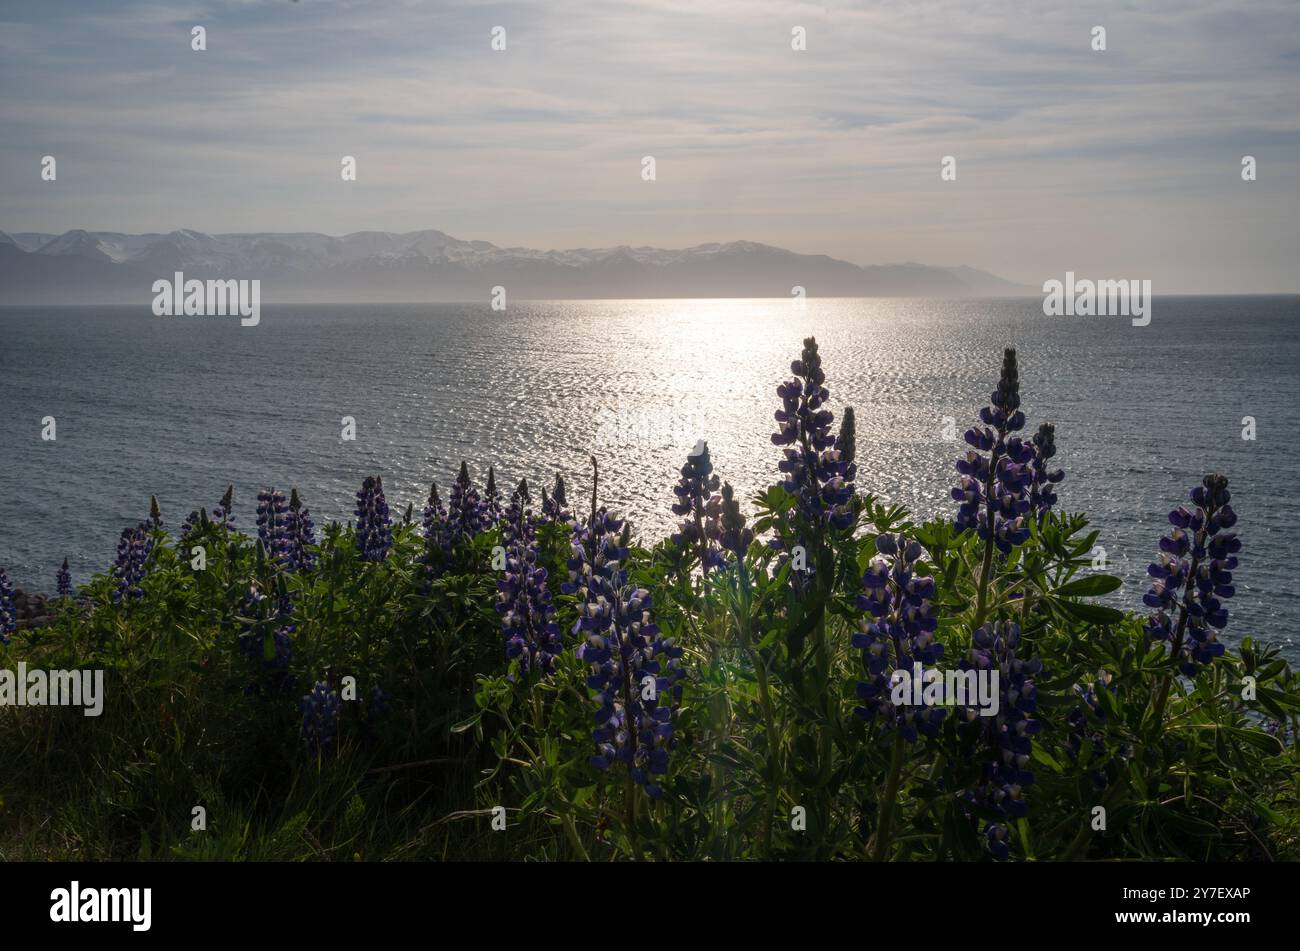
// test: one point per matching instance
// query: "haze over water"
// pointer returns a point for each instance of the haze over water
(179, 407)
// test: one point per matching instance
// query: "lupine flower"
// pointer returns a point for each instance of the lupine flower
(191, 523)
(527, 615)
(299, 536)
(63, 580)
(555, 507)
(1079, 731)
(8, 612)
(1004, 739)
(993, 488)
(995, 833)
(815, 472)
(154, 523)
(320, 717)
(272, 519)
(1281, 730)
(1195, 590)
(633, 668)
(374, 527)
(1041, 494)
(257, 618)
(133, 549)
(223, 514)
(695, 493)
(466, 515)
(897, 633)
(491, 500)
(726, 527)
(437, 540)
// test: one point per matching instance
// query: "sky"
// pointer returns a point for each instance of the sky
(1118, 164)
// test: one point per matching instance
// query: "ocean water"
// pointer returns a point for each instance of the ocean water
(179, 407)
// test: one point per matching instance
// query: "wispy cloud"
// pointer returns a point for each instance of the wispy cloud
(1122, 163)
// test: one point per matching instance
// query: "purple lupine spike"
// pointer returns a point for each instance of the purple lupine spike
(223, 514)
(466, 513)
(555, 507)
(8, 612)
(261, 616)
(63, 581)
(633, 668)
(492, 511)
(1192, 576)
(527, 615)
(1090, 704)
(896, 632)
(725, 526)
(374, 526)
(437, 540)
(695, 493)
(299, 536)
(272, 522)
(1005, 739)
(155, 521)
(1042, 477)
(320, 717)
(993, 488)
(133, 549)
(814, 469)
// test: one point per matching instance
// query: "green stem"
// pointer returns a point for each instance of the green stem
(888, 800)
(769, 716)
(574, 839)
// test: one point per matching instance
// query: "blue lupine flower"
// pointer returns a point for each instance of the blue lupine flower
(995, 833)
(191, 523)
(491, 500)
(555, 507)
(258, 616)
(897, 633)
(224, 514)
(993, 488)
(816, 473)
(695, 493)
(133, 549)
(437, 539)
(1196, 589)
(374, 527)
(1004, 740)
(320, 717)
(466, 513)
(63, 581)
(725, 526)
(634, 669)
(155, 522)
(1079, 730)
(299, 536)
(527, 615)
(272, 518)
(1041, 494)
(8, 612)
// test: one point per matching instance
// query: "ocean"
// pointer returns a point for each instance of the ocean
(178, 407)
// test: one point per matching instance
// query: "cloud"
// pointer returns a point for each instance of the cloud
(833, 150)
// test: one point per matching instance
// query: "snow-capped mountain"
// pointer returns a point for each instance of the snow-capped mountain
(109, 267)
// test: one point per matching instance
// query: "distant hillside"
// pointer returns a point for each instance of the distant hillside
(84, 267)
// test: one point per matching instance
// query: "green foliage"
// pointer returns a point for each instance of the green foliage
(770, 761)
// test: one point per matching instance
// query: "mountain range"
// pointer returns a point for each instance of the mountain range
(104, 267)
